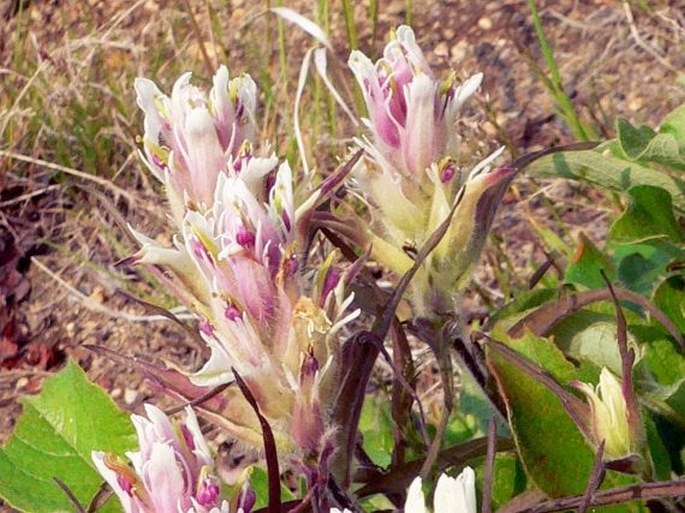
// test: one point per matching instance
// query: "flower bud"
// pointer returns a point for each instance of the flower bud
(610, 420)
(307, 421)
(452, 495)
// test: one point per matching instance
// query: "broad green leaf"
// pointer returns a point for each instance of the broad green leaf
(663, 149)
(633, 141)
(674, 124)
(642, 266)
(598, 345)
(659, 453)
(522, 304)
(639, 272)
(474, 404)
(509, 478)
(664, 360)
(375, 425)
(673, 437)
(553, 451)
(661, 376)
(602, 168)
(259, 482)
(55, 437)
(670, 298)
(644, 144)
(586, 264)
(555, 455)
(648, 215)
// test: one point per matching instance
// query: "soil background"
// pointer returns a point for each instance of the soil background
(56, 257)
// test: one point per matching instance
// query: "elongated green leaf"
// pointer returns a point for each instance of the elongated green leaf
(55, 437)
(552, 449)
(607, 170)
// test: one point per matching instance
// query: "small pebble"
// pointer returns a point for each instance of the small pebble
(441, 49)
(22, 382)
(458, 51)
(635, 104)
(98, 295)
(115, 393)
(485, 23)
(130, 396)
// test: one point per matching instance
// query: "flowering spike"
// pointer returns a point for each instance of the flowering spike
(412, 177)
(235, 261)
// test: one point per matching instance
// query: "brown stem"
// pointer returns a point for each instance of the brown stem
(641, 491)
(488, 479)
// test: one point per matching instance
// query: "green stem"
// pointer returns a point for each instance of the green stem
(557, 88)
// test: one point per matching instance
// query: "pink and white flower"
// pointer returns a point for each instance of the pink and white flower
(172, 471)
(412, 178)
(235, 261)
(411, 113)
(190, 136)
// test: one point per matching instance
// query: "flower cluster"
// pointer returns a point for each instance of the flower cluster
(172, 471)
(235, 260)
(413, 178)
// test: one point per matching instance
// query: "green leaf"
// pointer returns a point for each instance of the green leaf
(664, 361)
(598, 344)
(648, 215)
(522, 304)
(659, 453)
(586, 264)
(259, 482)
(670, 298)
(674, 124)
(55, 437)
(644, 144)
(509, 478)
(375, 425)
(602, 168)
(639, 273)
(633, 141)
(553, 451)
(661, 378)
